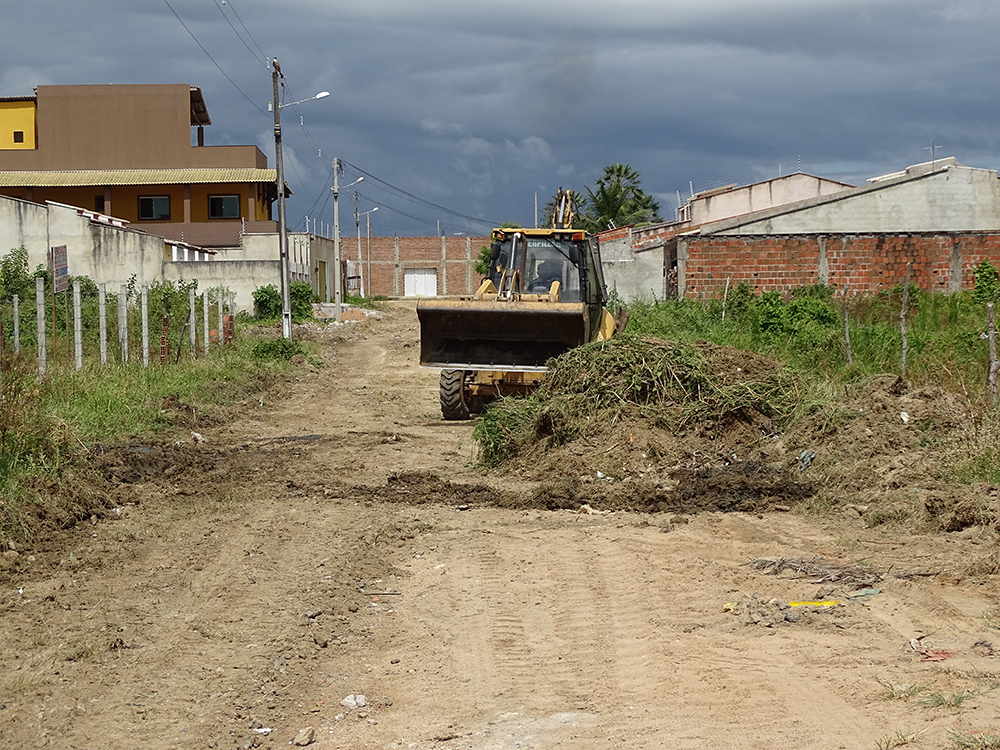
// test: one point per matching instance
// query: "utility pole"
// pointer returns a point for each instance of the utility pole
(286, 304)
(338, 296)
(357, 225)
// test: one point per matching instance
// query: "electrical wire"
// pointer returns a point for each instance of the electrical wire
(749, 174)
(236, 13)
(255, 105)
(422, 219)
(423, 201)
(253, 54)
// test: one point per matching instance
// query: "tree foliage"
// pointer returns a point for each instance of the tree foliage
(618, 200)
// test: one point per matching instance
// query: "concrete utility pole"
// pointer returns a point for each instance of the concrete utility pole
(338, 296)
(357, 225)
(286, 302)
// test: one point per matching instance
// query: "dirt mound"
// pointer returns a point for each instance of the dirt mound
(737, 431)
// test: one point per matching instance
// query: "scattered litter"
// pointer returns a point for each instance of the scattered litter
(823, 603)
(197, 437)
(863, 594)
(805, 459)
(264, 730)
(928, 654)
(826, 572)
(585, 508)
(904, 416)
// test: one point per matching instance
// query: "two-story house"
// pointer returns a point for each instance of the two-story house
(135, 152)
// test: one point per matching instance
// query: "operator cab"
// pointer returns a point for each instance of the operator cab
(540, 260)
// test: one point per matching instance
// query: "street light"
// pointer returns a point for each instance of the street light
(338, 292)
(286, 302)
(357, 220)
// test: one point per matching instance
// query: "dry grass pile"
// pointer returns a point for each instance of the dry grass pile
(666, 384)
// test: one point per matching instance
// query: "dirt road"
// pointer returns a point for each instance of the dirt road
(337, 541)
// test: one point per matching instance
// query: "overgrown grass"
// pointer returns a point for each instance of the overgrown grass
(45, 425)
(372, 302)
(806, 331)
(107, 403)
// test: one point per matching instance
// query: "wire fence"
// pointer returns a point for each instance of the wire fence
(150, 325)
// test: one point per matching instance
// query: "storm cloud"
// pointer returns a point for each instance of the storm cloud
(476, 108)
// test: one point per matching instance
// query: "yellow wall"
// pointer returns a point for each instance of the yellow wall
(17, 116)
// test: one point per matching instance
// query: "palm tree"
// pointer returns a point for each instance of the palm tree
(619, 200)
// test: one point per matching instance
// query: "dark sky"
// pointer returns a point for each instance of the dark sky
(469, 109)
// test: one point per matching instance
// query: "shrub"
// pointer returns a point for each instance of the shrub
(301, 296)
(278, 349)
(987, 287)
(267, 302)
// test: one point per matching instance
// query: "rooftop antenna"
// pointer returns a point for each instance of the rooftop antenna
(932, 148)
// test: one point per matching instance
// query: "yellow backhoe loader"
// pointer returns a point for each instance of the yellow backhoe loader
(544, 296)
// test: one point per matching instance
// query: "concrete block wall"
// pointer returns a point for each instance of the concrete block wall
(866, 263)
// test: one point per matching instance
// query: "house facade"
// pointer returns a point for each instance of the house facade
(135, 152)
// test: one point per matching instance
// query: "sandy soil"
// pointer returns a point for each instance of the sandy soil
(338, 541)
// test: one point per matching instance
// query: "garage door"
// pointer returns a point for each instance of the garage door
(420, 282)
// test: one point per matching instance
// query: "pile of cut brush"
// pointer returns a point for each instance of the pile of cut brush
(669, 385)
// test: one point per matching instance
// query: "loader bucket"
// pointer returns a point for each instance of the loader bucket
(491, 335)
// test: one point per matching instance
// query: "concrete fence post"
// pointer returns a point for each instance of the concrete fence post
(144, 311)
(77, 325)
(204, 319)
(17, 325)
(102, 321)
(192, 324)
(40, 325)
(123, 322)
(221, 304)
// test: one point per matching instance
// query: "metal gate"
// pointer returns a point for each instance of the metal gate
(420, 282)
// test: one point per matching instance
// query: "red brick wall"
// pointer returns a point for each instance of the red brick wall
(390, 256)
(864, 262)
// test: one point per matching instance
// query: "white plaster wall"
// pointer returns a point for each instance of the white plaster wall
(760, 196)
(23, 223)
(240, 277)
(950, 200)
(633, 274)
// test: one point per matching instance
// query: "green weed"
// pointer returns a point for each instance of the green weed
(955, 700)
(904, 691)
(899, 739)
(975, 740)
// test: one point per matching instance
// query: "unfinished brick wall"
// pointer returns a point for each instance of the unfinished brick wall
(451, 257)
(866, 263)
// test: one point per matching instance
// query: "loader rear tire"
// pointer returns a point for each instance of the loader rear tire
(454, 398)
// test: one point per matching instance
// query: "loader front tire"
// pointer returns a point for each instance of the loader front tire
(454, 398)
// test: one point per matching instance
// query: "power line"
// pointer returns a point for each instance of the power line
(422, 219)
(256, 106)
(235, 13)
(254, 54)
(423, 201)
